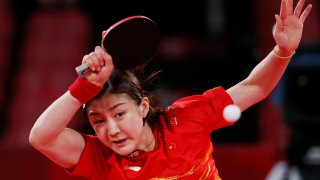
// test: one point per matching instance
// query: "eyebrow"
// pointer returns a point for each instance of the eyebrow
(93, 112)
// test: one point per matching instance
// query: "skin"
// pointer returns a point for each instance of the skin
(64, 146)
(117, 121)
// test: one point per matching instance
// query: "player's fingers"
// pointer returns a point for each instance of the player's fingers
(279, 24)
(298, 9)
(95, 60)
(107, 59)
(86, 59)
(283, 9)
(98, 50)
(305, 13)
(289, 7)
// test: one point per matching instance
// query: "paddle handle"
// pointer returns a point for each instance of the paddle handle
(82, 69)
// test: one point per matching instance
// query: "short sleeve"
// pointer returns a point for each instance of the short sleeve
(204, 111)
(219, 99)
(90, 159)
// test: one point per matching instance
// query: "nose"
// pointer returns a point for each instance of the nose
(113, 129)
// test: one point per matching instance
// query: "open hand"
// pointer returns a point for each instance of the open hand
(289, 25)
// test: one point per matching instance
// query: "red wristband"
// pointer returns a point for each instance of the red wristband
(84, 90)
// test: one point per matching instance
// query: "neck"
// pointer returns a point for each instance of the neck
(148, 140)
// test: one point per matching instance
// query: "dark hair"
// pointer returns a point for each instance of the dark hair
(137, 84)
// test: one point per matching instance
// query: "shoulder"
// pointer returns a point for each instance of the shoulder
(202, 109)
(212, 97)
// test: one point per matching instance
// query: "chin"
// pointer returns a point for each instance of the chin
(124, 151)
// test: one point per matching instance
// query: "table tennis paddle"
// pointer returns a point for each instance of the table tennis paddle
(130, 42)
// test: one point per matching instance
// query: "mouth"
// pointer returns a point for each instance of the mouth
(119, 142)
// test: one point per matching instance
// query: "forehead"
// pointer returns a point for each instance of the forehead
(109, 100)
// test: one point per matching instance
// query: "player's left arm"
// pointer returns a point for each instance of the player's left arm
(265, 76)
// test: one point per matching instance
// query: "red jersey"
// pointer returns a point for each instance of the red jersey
(183, 147)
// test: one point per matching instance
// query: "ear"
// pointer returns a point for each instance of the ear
(144, 106)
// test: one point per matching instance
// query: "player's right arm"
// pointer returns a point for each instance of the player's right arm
(50, 134)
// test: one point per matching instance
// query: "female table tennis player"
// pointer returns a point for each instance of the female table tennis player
(136, 141)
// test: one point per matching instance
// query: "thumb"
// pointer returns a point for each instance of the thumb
(278, 25)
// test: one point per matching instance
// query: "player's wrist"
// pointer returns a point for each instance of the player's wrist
(283, 53)
(83, 90)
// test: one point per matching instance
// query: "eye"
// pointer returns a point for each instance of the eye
(120, 115)
(99, 121)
